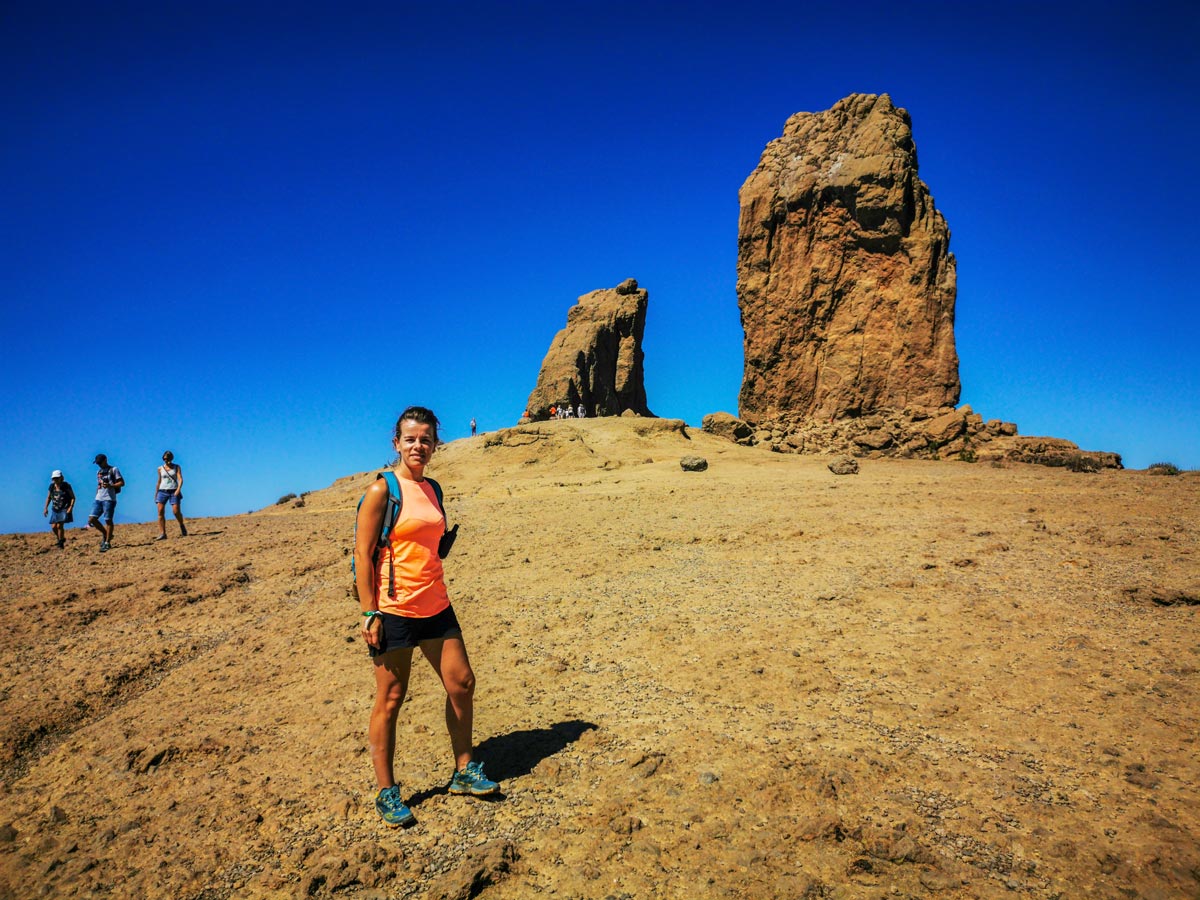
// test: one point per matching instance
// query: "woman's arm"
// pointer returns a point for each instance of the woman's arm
(179, 479)
(370, 520)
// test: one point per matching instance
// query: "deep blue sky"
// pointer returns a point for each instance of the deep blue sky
(253, 233)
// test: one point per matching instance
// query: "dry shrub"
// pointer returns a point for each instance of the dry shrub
(1163, 468)
(1077, 462)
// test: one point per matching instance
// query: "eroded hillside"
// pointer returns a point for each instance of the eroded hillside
(761, 680)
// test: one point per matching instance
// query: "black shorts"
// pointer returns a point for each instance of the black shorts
(402, 631)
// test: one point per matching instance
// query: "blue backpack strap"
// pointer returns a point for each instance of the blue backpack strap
(395, 501)
(391, 515)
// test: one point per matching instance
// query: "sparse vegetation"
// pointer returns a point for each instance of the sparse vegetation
(284, 499)
(967, 454)
(1163, 468)
(1077, 462)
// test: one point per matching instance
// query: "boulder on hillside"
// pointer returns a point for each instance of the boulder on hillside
(596, 360)
(946, 427)
(846, 284)
(724, 425)
(844, 465)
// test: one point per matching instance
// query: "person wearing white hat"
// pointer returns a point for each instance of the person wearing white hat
(60, 503)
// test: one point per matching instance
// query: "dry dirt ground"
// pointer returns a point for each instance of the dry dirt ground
(931, 679)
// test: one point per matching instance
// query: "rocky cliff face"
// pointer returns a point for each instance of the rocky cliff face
(846, 286)
(596, 360)
(845, 280)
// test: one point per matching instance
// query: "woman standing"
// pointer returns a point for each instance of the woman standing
(60, 502)
(405, 605)
(169, 489)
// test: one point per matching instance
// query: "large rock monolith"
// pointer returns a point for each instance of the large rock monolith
(845, 279)
(596, 360)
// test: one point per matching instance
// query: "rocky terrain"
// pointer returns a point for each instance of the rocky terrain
(596, 360)
(960, 434)
(930, 679)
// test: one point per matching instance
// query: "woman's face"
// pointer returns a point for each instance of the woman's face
(415, 444)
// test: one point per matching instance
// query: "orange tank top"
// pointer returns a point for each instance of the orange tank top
(411, 554)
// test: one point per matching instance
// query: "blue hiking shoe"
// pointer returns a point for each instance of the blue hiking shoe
(471, 780)
(392, 809)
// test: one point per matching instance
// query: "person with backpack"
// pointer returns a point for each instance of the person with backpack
(109, 482)
(405, 605)
(169, 489)
(60, 503)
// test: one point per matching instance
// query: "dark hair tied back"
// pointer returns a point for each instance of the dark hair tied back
(422, 416)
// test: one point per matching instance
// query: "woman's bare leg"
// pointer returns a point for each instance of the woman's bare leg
(449, 659)
(391, 684)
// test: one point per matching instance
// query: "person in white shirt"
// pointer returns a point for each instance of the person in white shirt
(169, 489)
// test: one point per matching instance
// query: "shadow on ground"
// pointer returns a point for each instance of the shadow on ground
(516, 753)
(171, 538)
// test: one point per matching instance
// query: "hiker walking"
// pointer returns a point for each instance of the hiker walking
(472, 426)
(169, 489)
(109, 482)
(405, 605)
(60, 504)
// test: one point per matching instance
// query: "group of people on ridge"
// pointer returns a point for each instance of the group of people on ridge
(566, 411)
(60, 500)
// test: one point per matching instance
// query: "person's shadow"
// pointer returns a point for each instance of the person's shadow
(175, 537)
(515, 754)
